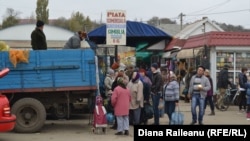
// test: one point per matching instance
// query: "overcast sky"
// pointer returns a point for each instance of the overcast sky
(235, 12)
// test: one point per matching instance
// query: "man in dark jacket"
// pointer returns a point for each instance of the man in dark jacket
(242, 82)
(156, 91)
(222, 85)
(38, 38)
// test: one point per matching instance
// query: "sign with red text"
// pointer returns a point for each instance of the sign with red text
(116, 27)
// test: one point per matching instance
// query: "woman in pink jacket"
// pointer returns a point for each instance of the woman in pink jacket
(120, 101)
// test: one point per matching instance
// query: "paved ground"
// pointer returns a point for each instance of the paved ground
(78, 129)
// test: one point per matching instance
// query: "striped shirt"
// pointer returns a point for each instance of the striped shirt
(197, 82)
(171, 91)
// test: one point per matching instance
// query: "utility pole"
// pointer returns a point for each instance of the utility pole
(101, 19)
(181, 19)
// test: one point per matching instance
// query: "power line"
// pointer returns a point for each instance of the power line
(212, 7)
(220, 12)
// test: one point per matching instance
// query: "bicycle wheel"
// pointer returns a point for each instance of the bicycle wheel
(226, 102)
(236, 100)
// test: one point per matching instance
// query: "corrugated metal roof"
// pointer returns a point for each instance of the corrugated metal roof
(192, 28)
(22, 32)
(216, 38)
(171, 29)
(176, 42)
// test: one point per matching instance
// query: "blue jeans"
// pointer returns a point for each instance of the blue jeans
(197, 100)
(169, 108)
(155, 102)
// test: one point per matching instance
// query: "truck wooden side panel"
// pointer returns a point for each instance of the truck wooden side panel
(50, 70)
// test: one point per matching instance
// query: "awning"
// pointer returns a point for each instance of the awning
(188, 53)
(166, 54)
(169, 54)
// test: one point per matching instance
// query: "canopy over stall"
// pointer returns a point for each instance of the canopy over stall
(137, 33)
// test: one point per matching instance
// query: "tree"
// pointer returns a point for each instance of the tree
(11, 18)
(154, 21)
(166, 21)
(62, 22)
(76, 22)
(42, 13)
(88, 24)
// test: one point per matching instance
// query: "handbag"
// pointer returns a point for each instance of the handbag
(161, 104)
(248, 92)
(185, 91)
(148, 111)
(177, 118)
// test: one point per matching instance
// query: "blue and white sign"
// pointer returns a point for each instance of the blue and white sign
(116, 27)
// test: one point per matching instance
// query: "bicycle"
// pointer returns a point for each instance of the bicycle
(230, 98)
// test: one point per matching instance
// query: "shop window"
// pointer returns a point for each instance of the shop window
(235, 61)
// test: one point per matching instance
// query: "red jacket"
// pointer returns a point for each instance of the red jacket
(120, 100)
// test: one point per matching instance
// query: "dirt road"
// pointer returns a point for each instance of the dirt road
(79, 129)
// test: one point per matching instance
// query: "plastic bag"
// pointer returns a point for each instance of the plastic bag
(177, 118)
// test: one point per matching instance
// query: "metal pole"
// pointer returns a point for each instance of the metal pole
(116, 53)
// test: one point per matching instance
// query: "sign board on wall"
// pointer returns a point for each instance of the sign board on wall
(116, 27)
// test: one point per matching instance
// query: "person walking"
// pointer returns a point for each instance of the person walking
(248, 97)
(209, 97)
(198, 87)
(242, 83)
(156, 91)
(188, 77)
(135, 86)
(120, 100)
(171, 95)
(74, 42)
(38, 38)
(222, 85)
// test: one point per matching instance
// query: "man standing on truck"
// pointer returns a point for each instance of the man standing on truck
(74, 42)
(38, 38)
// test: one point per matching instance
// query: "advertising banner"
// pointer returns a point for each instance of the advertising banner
(116, 27)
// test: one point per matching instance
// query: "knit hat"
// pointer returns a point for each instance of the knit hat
(136, 77)
(142, 71)
(110, 71)
(120, 80)
(39, 23)
(115, 66)
(155, 65)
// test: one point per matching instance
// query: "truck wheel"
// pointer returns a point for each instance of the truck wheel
(31, 115)
(60, 111)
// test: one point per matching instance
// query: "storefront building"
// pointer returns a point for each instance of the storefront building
(222, 48)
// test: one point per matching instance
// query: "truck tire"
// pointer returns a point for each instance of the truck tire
(60, 111)
(31, 115)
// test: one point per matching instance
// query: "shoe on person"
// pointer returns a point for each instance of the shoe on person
(222, 108)
(126, 132)
(241, 111)
(192, 123)
(119, 133)
(201, 123)
(212, 113)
